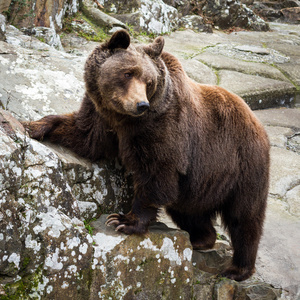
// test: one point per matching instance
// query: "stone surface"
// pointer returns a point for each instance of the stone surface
(42, 14)
(291, 15)
(214, 260)
(144, 16)
(4, 5)
(263, 68)
(282, 11)
(103, 20)
(157, 266)
(2, 27)
(278, 258)
(195, 23)
(151, 16)
(227, 14)
(184, 7)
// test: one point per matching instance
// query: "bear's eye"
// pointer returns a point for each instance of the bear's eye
(128, 75)
(149, 83)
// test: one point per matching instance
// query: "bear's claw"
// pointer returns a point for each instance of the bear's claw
(128, 223)
(120, 227)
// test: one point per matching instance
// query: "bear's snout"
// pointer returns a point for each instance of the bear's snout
(142, 107)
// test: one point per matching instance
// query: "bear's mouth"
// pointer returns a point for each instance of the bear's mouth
(134, 110)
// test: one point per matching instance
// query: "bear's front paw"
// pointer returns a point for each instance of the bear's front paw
(128, 223)
(38, 130)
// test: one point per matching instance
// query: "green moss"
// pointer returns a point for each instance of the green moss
(98, 35)
(41, 39)
(22, 288)
(26, 262)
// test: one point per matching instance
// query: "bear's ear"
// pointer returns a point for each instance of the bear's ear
(155, 49)
(120, 39)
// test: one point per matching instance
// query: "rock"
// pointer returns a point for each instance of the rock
(293, 200)
(219, 62)
(260, 92)
(42, 14)
(118, 7)
(100, 18)
(43, 239)
(39, 82)
(207, 286)
(2, 27)
(247, 2)
(195, 23)
(199, 71)
(213, 260)
(291, 15)
(291, 3)
(157, 266)
(283, 11)
(294, 142)
(256, 291)
(152, 17)
(278, 136)
(227, 14)
(146, 15)
(4, 5)
(184, 7)
(46, 35)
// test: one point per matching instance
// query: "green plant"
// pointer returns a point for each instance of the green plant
(88, 227)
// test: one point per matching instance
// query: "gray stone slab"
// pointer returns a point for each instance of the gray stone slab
(278, 135)
(36, 83)
(259, 92)
(284, 117)
(292, 70)
(221, 62)
(285, 171)
(199, 71)
(278, 259)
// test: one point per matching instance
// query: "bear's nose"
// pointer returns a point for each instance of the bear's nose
(142, 106)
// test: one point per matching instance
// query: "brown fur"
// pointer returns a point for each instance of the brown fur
(197, 149)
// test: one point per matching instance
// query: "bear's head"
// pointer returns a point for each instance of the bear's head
(123, 78)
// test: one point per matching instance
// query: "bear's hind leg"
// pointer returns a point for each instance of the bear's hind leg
(202, 233)
(245, 235)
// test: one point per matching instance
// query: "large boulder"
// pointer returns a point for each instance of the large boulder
(283, 11)
(146, 15)
(226, 14)
(101, 19)
(42, 13)
(47, 253)
(291, 15)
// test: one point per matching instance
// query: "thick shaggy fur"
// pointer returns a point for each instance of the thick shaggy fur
(197, 150)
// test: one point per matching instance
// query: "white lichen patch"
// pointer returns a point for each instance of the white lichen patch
(53, 222)
(15, 259)
(187, 254)
(169, 251)
(105, 243)
(83, 248)
(74, 242)
(147, 244)
(32, 244)
(52, 261)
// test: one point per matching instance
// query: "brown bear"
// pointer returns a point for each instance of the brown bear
(195, 149)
